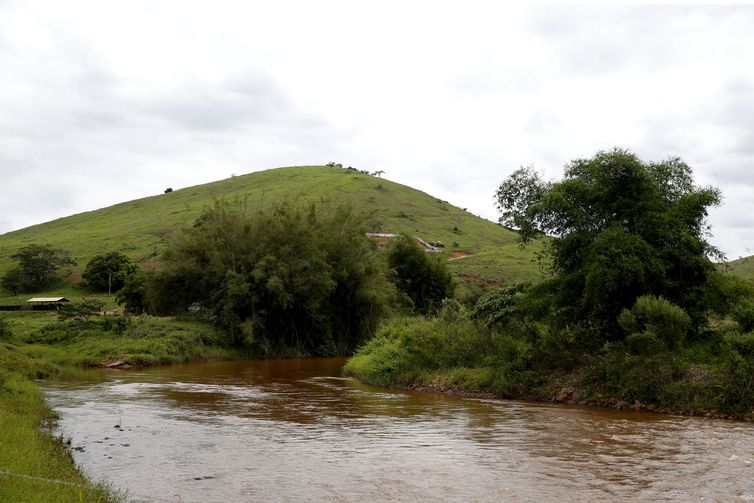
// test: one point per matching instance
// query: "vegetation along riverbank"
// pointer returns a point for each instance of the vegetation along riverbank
(630, 306)
(35, 464)
(635, 313)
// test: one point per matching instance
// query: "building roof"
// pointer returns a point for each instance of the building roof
(48, 299)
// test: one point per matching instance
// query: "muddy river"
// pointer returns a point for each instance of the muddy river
(295, 430)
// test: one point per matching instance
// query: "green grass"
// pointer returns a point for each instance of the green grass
(743, 268)
(145, 341)
(142, 228)
(35, 466)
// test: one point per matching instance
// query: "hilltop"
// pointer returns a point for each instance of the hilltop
(142, 228)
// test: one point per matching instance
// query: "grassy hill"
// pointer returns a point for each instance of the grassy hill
(743, 267)
(142, 228)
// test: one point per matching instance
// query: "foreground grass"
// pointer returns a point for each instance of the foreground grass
(34, 465)
(713, 376)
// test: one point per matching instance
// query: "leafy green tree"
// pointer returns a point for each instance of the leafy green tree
(134, 293)
(37, 268)
(294, 278)
(424, 278)
(108, 272)
(13, 281)
(619, 228)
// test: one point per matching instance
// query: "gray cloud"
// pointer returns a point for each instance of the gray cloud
(222, 107)
(91, 117)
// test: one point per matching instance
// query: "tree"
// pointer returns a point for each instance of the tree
(424, 278)
(37, 268)
(620, 228)
(108, 272)
(293, 278)
(134, 293)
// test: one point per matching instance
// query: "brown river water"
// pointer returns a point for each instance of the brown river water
(296, 430)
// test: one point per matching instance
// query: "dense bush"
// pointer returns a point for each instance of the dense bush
(500, 307)
(300, 279)
(416, 350)
(654, 319)
(108, 272)
(134, 293)
(423, 277)
(81, 311)
(408, 347)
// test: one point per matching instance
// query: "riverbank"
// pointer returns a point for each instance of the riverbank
(454, 354)
(35, 465)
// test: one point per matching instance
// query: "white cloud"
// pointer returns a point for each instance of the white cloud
(112, 101)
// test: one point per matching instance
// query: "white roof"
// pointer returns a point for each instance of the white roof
(48, 299)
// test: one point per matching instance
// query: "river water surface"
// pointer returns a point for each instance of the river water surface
(295, 430)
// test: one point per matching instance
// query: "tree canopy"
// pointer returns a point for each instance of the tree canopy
(294, 278)
(619, 228)
(424, 279)
(108, 272)
(37, 268)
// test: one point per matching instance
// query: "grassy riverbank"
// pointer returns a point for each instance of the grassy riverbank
(136, 341)
(453, 353)
(34, 464)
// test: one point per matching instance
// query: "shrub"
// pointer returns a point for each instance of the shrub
(655, 317)
(424, 278)
(500, 307)
(743, 314)
(293, 277)
(81, 311)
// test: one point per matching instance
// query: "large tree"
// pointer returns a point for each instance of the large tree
(619, 228)
(37, 268)
(425, 279)
(300, 278)
(108, 272)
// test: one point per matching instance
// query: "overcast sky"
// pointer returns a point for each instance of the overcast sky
(103, 102)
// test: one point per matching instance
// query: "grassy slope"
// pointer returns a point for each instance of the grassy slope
(142, 228)
(743, 267)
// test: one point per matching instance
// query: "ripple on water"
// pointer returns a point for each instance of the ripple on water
(296, 430)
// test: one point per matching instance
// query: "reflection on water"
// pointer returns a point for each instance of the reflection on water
(294, 430)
